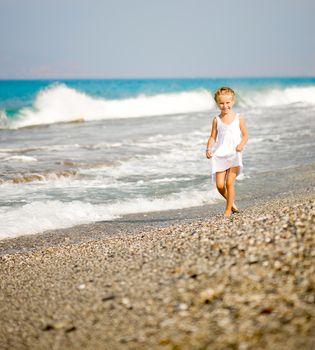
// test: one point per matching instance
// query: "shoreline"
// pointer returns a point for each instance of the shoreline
(285, 182)
(245, 283)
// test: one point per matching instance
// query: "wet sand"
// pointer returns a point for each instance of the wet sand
(244, 283)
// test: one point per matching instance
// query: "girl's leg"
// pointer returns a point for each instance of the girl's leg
(230, 190)
(220, 182)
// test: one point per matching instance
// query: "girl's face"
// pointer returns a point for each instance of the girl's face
(225, 103)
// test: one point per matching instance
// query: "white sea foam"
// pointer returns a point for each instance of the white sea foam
(278, 97)
(23, 159)
(60, 103)
(46, 215)
(65, 147)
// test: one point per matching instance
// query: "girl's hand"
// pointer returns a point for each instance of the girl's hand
(209, 154)
(239, 148)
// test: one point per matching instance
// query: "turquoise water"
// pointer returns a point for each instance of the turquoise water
(16, 94)
(76, 151)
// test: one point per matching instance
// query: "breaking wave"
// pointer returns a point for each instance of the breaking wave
(31, 177)
(278, 97)
(60, 103)
(40, 216)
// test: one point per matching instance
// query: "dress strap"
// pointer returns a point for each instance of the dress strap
(237, 117)
(239, 120)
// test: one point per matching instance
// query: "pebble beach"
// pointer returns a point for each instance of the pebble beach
(112, 230)
(241, 283)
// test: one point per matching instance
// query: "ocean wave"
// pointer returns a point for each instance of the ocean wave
(22, 159)
(62, 104)
(65, 147)
(59, 103)
(56, 214)
(26, 178)
(278, 97)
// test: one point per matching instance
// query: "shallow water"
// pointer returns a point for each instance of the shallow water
(86, 151)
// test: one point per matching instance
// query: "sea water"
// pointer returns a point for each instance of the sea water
(78, 151)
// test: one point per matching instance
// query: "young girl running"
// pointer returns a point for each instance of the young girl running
(225, 145)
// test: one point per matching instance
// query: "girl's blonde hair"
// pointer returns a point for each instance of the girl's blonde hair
(224, 90)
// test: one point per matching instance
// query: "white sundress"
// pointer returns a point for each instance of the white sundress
(225, 155)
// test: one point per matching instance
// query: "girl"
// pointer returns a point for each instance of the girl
(228, 136)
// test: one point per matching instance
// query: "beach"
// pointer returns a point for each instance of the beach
(75, 152)
(243, 283)
(112, 235)
(112, 227)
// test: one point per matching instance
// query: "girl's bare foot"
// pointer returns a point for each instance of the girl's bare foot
(235, 209)
(227, 213)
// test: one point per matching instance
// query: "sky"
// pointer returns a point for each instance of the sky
(156, 38)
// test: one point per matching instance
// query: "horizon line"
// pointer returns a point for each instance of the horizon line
(164, 78)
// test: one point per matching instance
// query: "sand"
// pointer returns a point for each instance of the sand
(207, 283)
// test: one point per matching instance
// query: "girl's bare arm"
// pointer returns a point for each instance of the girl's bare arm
(212, 139)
